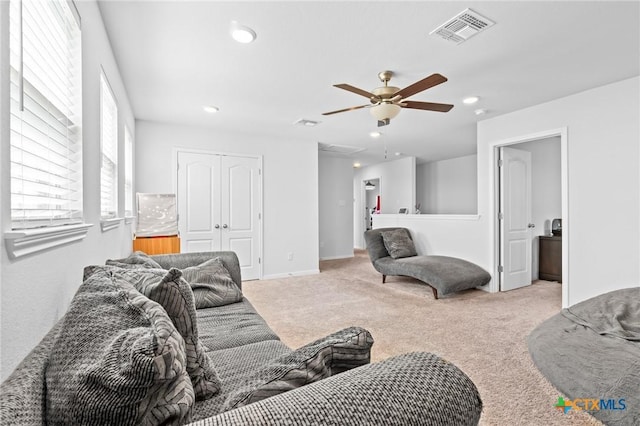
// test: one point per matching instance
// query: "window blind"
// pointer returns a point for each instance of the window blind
(45, 113)
(128, 173)
(109, 149)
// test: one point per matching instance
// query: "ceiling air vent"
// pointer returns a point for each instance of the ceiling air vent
(339, 149)
(462, 26)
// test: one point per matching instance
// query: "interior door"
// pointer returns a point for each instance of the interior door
(240, 186)
(515, 218)
(199, 202)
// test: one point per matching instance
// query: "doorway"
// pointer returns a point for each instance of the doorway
(548, 201)
(371, 201)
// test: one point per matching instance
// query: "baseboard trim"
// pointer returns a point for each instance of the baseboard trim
(348, 256)
(291, 274)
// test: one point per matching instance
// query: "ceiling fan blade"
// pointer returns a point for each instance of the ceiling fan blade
(419, 86)
(430, 106)
(345, 110)
(355, 90)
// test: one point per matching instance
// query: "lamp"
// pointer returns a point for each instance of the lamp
(385, 111)
(369, 186)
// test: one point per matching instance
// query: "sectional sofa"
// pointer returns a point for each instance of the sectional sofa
(171, 339)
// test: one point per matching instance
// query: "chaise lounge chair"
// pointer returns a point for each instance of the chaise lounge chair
(442, 273)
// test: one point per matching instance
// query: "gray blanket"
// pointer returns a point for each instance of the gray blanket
(616, 315)
(592, 350)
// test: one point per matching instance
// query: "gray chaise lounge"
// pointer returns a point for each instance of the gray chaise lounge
(442, 273)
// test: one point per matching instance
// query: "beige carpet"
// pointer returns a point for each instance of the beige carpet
(483, 334)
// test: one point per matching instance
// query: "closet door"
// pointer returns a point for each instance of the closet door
(219, 207)
(199, 202)
(240, 203)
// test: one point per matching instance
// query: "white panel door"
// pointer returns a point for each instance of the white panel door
(219, 204)
(199, 202)
(515, 226)
(240, 212)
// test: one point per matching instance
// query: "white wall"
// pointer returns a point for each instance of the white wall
(397, 190)
(37, 289)
(290, 185)
(335, 194)
(448, 186)
(443, 235)
(546, 194)
(603, 182)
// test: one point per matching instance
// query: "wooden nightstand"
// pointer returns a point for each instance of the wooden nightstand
(550, 258)
(157, 245)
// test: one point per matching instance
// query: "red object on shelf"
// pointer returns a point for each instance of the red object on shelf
(377, 204)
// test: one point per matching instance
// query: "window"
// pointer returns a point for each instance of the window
(46, 114)
(109, 150)
(128, 173)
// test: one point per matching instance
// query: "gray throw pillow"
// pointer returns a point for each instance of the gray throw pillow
(117, 360)
(325, 357)
(398, 243)
(138, 259)
(212, 284)
(174, 294)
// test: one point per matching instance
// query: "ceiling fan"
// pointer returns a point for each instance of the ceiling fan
(387, 101)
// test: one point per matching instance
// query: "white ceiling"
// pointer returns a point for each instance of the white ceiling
(176, 56)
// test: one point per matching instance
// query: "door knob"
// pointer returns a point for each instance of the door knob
(531, 225)
(225, 226)
(217, 226)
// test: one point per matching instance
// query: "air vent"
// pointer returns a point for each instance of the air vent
(463, 26)
(339, 149)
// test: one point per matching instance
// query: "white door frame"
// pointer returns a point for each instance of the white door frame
(566, 224)
(174, 180)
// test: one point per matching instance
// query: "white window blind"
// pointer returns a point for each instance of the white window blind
(45, 114)
(109, 149)
(128, 173)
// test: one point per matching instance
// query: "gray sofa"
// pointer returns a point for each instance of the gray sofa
(443, 274)
(413, 388)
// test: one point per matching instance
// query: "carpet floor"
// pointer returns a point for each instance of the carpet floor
(484, 334)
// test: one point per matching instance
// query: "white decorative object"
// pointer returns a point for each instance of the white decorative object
(157, 215)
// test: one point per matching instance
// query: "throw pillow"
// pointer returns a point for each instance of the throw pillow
(398, 243)
(117, 360)
(325, 357)
(138, 259)
(174, 294)
(212, 284)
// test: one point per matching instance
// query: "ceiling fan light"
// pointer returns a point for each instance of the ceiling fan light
(369, 186)
(385, 111)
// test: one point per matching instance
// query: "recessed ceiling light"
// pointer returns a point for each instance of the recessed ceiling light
(480, 111)
(398, 154)
(471, 100)
(375, 134)
(211, 109)
(356, 165)
(242, 33)
(306, 123)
